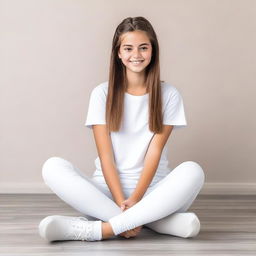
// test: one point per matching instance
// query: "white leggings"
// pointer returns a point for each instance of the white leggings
(162, 208)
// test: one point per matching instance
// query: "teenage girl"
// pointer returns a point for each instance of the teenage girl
(132, 116)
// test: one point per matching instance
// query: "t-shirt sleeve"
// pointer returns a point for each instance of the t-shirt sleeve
(174, 113)
(96, 108)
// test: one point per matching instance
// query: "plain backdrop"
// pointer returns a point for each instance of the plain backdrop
(53, 53)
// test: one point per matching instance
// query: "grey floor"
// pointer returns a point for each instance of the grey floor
(228, 225)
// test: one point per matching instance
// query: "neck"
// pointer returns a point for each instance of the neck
(135, 80)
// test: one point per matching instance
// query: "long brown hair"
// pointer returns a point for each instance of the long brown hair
(117, 83)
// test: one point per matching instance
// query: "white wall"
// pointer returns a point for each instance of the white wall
(53, 53)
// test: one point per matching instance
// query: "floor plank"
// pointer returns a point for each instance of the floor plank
(228, 225)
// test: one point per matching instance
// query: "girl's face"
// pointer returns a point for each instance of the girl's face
(135, 51)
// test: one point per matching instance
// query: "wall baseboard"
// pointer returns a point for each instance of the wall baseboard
(208, 188)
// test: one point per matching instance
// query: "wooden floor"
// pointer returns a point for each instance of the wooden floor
(228, 225)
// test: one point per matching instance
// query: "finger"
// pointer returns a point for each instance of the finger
(128, 233)
(132, 233)
(124, 234)
(137, 230)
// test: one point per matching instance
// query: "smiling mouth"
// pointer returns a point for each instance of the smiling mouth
(136, 61)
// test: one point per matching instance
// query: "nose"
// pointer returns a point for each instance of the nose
(136, 54)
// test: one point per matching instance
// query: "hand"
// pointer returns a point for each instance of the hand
(126, 204)
(131, 233)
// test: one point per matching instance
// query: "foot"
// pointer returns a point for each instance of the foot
(56, 227)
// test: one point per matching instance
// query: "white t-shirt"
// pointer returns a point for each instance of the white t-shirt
(130, 143)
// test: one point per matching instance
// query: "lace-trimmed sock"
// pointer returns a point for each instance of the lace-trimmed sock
(56, 227)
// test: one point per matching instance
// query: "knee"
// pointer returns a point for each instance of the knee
(193, 227)
(195, 170)
(50, 166)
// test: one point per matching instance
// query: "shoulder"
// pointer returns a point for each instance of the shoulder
(101, 89)
(169, 91)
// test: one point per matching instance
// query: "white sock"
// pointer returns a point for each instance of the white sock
(182, 224)
(56, 227)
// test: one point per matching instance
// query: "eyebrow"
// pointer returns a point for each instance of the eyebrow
(131, 45)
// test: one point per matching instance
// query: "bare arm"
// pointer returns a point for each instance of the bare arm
(151, 162)
(105, 152)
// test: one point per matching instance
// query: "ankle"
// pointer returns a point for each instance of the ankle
(107, 230)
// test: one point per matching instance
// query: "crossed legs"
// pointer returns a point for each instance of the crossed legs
(162, 208)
